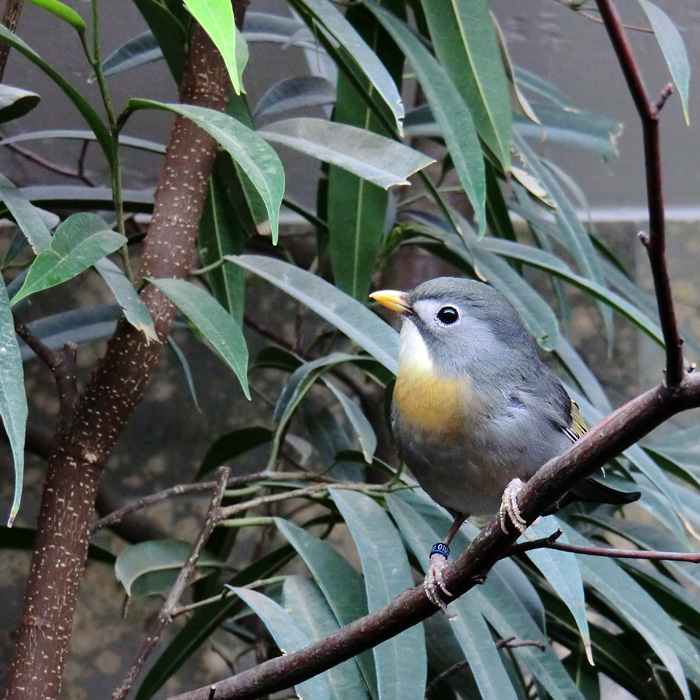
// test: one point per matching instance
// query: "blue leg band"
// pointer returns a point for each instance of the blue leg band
(440, 548)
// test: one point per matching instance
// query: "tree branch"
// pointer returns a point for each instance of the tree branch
(551, 543)
(656, 242)
(603, 441)
(165, 616)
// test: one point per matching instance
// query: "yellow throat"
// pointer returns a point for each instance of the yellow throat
(424, 398)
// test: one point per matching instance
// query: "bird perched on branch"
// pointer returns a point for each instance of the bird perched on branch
(475, 412)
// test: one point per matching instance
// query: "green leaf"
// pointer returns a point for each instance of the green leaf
(673, 49)
(205, 621)
(150, 568)
(340, 584)
(231, 445)
(257, 159)
(80, 241)
(564, 575)
(287, 636)
(26, 215)
(342, 311)
(213, 322)
(139, 51)
(466, 45)
(401, 661)
(328, 19)
(220, 234)
(15, 102)
(101, 131)
(13, 400)
(312, 615)
(469, 627)
(127, 297)
(64, 12)
(295, 93)
(642, 613)
(449, 110)
(216, 18)
(363, 428)
(375, 158)
(81, 135)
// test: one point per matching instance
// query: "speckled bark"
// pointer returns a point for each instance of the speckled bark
(84, 443)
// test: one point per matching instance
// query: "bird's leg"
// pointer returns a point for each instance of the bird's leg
(510, 508)
(438, 563)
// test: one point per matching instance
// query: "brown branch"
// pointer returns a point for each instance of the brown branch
(607, 439)
(165, 616)
(10, 19)
(551, 543)
(82, 448)
(656, 247)
(61, 364)
(184, 489)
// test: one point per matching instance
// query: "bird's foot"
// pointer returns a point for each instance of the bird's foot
(434, 578)
(510, 508)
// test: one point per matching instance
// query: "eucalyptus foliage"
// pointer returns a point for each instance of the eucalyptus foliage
(467, 142)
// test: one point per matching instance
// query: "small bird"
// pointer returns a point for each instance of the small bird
(475, 412)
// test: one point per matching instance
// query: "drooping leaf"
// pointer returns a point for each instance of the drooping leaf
(81, 135)
(64, 12)
(79, 242)
(26, 215)
(449, 110)
(205, 621)
(124, 292)
(150, 568)
(313, 616)
(339, 309)
(564, 575)
(376, 158)
(232, 445)
(216, 18)
(466, 45)
(13, 400)
(287, 636)
(15, 102)
(401, 661)
(212, 320)
(139, 51)
(673, 48)
(340, 584)
(363, 428)
(329, 20)
(220, 233)
(295, 93)
(257, 159)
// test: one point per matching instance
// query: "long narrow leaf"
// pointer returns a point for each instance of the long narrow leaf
(26, 215)
(465, 42)
(217, 326)
(449, 111)
(13, 400)
(401, 661)
(257, 159)
(345, 313)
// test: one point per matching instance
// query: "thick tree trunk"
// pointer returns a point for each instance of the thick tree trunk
(86, 440)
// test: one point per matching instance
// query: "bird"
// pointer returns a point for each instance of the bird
(475, 412)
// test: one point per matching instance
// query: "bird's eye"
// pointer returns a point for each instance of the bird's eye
(447, 315)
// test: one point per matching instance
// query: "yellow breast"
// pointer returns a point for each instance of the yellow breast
(426, 400)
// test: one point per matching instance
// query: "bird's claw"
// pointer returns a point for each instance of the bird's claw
(434, 580)
(510, 508)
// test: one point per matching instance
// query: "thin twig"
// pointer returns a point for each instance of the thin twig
(656, 246)
(203, 486)
(61, 364)
(552, 543)
(165, 616)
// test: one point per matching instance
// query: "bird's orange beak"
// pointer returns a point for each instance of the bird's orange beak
(396, 301)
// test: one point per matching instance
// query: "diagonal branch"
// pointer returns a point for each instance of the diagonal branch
(655, 242)
(608, 438)
(166, 614)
